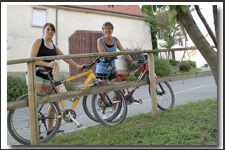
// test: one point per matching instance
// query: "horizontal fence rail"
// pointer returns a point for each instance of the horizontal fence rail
(117, 86)
(18, 61)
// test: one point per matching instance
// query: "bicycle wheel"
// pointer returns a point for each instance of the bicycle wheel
(87, 100)
(109, 114)
(165, 95)
(18, 122)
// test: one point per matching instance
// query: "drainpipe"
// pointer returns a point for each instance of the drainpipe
(56, 26)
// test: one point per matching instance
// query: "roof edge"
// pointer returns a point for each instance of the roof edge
(75, 8)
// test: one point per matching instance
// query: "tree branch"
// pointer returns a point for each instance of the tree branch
(206, 24)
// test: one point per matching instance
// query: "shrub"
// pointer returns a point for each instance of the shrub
(16, 87)
(185, 66)
(174, 62)
(192, 63)
(134, 57)
(206, 65)
(162, 67)
(132, 77)
(69, 85)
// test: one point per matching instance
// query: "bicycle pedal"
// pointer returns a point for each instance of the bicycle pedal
(80, 125)
(138, 101)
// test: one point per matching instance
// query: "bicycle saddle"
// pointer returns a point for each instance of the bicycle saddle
(43, 70)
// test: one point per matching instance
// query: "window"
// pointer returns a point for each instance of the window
(160, 35)
(39, 17)
(181, 42)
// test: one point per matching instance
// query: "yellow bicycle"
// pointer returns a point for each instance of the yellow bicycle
(19, 123)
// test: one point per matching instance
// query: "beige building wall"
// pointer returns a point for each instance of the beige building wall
(21, 32)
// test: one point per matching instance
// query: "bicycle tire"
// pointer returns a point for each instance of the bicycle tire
(166, 100)
(19, 128)
(88, 107)
(121, 109)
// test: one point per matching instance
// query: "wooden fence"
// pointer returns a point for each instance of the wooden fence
(33, 100)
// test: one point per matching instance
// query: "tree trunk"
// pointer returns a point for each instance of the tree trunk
(173, 55)
(198, 39)
(215, 18)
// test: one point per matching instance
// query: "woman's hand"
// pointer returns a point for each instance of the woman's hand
(80, 67)
(53, 64)
(134, 63)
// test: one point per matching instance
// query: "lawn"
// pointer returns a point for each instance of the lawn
(190, 124)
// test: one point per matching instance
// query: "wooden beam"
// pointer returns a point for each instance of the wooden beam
(117, 86)
(152, 84)
(32, 103)
(75, 56)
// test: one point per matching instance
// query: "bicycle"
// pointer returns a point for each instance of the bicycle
(165, 94)
(18, 119)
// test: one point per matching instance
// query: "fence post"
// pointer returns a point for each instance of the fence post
(32, 99)
(151, 66)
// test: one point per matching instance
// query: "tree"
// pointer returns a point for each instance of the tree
(199, 40)
(151, 21)
(182, 14)
(215, 18)
(172, 35)
(206, 25)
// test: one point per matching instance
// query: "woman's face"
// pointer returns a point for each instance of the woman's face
(107, 30)
(48, 32)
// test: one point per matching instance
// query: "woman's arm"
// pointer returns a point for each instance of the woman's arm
(69, 61)
(120, 47)
(100, 46)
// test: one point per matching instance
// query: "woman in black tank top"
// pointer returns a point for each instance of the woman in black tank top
(45, 47)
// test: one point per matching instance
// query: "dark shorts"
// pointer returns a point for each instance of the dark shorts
(103, 76)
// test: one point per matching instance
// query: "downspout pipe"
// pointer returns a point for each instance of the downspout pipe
(56, 26)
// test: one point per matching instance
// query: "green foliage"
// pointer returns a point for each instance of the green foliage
(16, 87)
(206, 65)
(194, 123)
(151, 21)
(192, 63)
(132, 77)
(162, 67)
(174, 62)
(172, 8)
(69, 85)
(185, 66)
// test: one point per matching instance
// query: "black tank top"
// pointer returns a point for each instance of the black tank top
(45, 51)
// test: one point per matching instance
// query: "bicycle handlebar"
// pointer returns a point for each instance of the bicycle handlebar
(91, 64)
(108, 61)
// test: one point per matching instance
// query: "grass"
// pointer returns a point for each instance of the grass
(189, 124)
(191, 71)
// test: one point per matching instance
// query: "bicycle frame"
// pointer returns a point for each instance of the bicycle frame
(90, 77)
(121, 77)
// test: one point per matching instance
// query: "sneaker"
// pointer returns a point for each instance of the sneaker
(103, 116)
(117, 117)
(112, 112)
